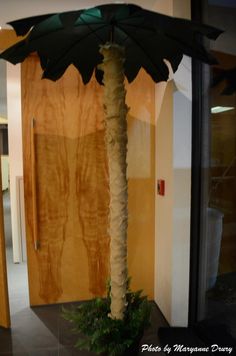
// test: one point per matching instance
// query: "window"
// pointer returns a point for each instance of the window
(213, 251)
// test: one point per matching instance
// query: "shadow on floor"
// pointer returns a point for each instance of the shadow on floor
(207, 337)
(41, 331)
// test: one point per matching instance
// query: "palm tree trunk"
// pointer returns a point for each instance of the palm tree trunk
(116, 141)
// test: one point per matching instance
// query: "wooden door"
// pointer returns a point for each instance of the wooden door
(4, 300)
(67, 191)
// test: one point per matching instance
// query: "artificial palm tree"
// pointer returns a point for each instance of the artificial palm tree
(124, 38)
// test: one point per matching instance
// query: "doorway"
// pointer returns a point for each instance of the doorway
(17, 272)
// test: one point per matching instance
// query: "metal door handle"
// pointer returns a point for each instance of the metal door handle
(34, 188)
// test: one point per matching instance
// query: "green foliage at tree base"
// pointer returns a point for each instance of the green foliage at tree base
(101, 334)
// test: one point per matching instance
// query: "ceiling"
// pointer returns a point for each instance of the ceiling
(10, 9)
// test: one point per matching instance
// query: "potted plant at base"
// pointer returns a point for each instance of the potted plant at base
(106, 336)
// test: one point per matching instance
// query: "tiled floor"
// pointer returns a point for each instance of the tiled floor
(41, 331)
(16, 273)
(17, 284)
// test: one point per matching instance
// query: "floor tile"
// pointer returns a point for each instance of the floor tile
(49, 316)
(5, 341)
(42, 331)
(44, 352)
(71, 351)
(66, 336)
(31, 332)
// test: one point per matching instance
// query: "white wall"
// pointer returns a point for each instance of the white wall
(15, 149)
(173, 164)
(181, 210)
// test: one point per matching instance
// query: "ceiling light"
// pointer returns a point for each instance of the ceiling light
(218, 109)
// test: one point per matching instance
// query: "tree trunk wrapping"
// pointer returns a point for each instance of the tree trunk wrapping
(116, 141)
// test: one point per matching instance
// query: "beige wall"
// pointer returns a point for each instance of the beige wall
(164, 205)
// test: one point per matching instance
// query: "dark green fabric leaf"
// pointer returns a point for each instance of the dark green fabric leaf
(22, 26)
(73, 37)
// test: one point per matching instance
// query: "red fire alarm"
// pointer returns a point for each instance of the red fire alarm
(161, 187)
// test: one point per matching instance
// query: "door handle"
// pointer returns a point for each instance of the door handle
(34, 186)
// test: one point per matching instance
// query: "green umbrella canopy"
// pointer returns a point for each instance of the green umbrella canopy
(74, 38)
